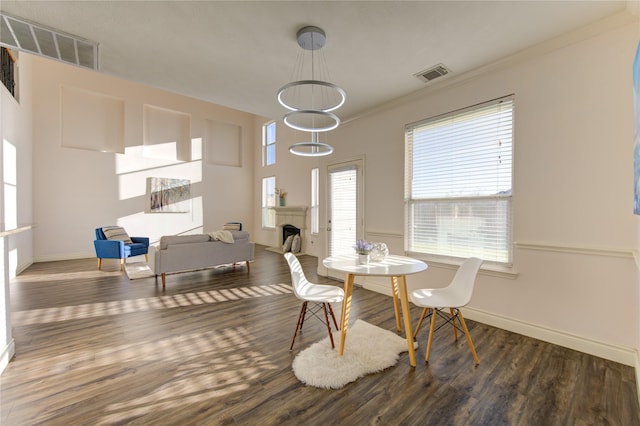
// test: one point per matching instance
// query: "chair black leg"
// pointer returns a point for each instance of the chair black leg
(333, 316)
(305, 305)
(326, 320)
(303, 310)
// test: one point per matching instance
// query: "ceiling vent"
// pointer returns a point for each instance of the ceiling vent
(33, 38)
(432, 73)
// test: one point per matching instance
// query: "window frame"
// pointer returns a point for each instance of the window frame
(499, 251)
(268, 145)
(268, 217)
(8, 73)
(315, 201)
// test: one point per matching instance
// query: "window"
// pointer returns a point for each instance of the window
(7, 70)
(268, 201)
(315, 213)
(269, 144)
(458, 183)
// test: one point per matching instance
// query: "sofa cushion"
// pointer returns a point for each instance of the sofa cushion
(182, 239)
(116, 233)
(240, 236)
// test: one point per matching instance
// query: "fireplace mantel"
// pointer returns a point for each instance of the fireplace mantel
(290, 215)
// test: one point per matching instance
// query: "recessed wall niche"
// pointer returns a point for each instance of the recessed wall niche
(166, 134)
(90, 120)
(223, 144)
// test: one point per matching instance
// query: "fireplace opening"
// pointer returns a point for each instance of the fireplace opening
(291, 239)
(288, 230)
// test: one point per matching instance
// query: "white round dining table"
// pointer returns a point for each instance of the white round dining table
(393, 266)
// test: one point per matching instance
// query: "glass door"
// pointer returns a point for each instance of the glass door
(345, 207)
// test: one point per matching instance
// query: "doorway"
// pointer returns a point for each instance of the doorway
(345, 221)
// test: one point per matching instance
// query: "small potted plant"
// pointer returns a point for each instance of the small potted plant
(281, 193)
(363, 248)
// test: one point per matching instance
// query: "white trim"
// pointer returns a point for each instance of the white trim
(638, 374)
(23, 267)
(68, 256)
(575, 249)
(74, 256)
(7, 354)
(621, 354)
(380, 234)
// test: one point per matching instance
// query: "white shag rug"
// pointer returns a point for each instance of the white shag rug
(138, 270)
(368, 349)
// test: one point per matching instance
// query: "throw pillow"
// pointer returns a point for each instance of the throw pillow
(286, 247)
(116, 233)
(295, 245)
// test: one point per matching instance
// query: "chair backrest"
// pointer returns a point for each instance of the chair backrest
(100, 235)
(298, 280)
(462, 284)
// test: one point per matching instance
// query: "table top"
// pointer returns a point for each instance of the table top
(390, 266)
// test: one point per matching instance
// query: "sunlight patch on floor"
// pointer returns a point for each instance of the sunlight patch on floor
(119, 307)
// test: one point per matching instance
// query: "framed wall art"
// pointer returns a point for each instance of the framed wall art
(167, 195)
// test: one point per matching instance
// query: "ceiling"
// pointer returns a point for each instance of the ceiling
(239, 53)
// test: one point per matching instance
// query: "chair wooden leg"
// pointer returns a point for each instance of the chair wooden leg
(396, 303)
(248, 268)
(164, 280)
(99, 263)
(333, 316)
(453, 323)
(326, 320)
(432, 329)
(424, 314)
(303, 310)
(121, 264)
(466, 332)
(146, 257)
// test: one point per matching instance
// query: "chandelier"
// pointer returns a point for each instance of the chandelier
(311, 101)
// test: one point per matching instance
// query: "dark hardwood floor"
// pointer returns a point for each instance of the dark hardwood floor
(94, 348)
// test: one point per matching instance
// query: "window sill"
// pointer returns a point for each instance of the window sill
(489, 269)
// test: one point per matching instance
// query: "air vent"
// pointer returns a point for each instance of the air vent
(33, 38)
(432, 73)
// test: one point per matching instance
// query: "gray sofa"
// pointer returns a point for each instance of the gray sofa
(179, 253)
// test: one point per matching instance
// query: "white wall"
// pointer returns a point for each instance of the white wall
(576, 282)
(16, 248)
(78, 190)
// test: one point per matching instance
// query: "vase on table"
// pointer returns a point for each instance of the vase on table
(379, 252)
(363, 259)
(282, 201)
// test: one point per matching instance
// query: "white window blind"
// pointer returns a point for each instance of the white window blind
(344, 190)
(459, 183)
(268, 200)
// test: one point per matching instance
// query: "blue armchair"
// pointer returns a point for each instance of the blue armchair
(118, 245)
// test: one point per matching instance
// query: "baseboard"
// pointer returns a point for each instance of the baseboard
(638, 374)
(621, 354)
(7, 354)
(21, 268)
(71, 256)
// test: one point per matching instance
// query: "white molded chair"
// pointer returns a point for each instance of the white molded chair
(319, 295)
(454, 296)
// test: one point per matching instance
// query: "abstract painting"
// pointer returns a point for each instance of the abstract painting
(169, 195)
